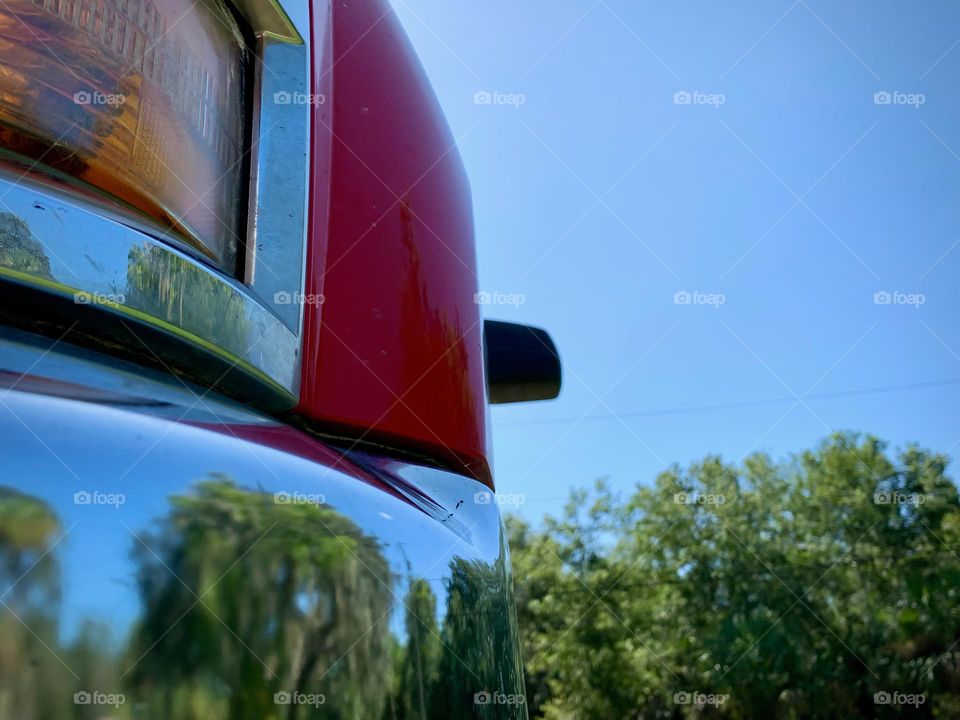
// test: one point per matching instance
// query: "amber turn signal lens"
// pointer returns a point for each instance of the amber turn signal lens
(142, 99)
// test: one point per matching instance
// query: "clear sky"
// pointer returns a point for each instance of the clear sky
(784, 189)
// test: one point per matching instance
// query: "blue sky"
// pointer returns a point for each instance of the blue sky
(785, 189)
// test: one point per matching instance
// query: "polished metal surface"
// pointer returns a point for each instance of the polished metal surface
(58, 240)
(226, 566)
(54, 243)
(276, 247)
(285, 20)
(296, 11)
(277, 226)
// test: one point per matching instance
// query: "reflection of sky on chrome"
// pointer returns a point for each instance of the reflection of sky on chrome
(91, 261)
(599, 81)
(101, 443)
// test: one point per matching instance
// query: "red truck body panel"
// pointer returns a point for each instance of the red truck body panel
(394, 353)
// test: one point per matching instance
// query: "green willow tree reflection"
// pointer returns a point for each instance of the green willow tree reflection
(415, 663)
(30, 588)
(39, 673)
(442, 666)
(19, 249)
(799, 589)
(246, 597)
(243, 597)
(164, 287)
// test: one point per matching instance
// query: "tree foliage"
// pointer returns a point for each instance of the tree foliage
(258, 598)
(824, 586)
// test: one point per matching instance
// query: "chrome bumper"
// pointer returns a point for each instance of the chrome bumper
(165, 553)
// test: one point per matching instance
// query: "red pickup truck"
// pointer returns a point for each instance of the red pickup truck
(245, 463)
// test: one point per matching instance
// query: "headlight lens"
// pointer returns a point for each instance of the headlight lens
(144, 100)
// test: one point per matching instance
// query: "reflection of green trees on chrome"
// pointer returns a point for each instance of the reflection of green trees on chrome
(244, 598)
(162, 285)
(38, 673)
(479, 651)
(441, 668)
(27, 528)
(19, 249)
(414, 671)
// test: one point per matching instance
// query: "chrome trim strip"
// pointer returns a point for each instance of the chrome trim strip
(77, 248)
(33, 363)
(52, 242)
(283, 20)
(118, 519)
(277, 227)
(298, 12)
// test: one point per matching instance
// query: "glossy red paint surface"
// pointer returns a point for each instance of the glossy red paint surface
(293, 442)
(394, 354)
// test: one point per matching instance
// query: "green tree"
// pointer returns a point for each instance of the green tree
(246, 597)
(416, 663)
(20, 249)
(160, 284)
(29, 616)
(794, 589)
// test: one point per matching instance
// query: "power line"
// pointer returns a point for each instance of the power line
(735, 405)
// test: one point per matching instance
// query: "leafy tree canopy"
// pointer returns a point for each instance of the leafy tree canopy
(823, 586)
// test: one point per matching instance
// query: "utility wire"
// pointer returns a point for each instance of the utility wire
(733, 405)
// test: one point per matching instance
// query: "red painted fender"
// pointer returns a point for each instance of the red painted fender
(394, 354)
